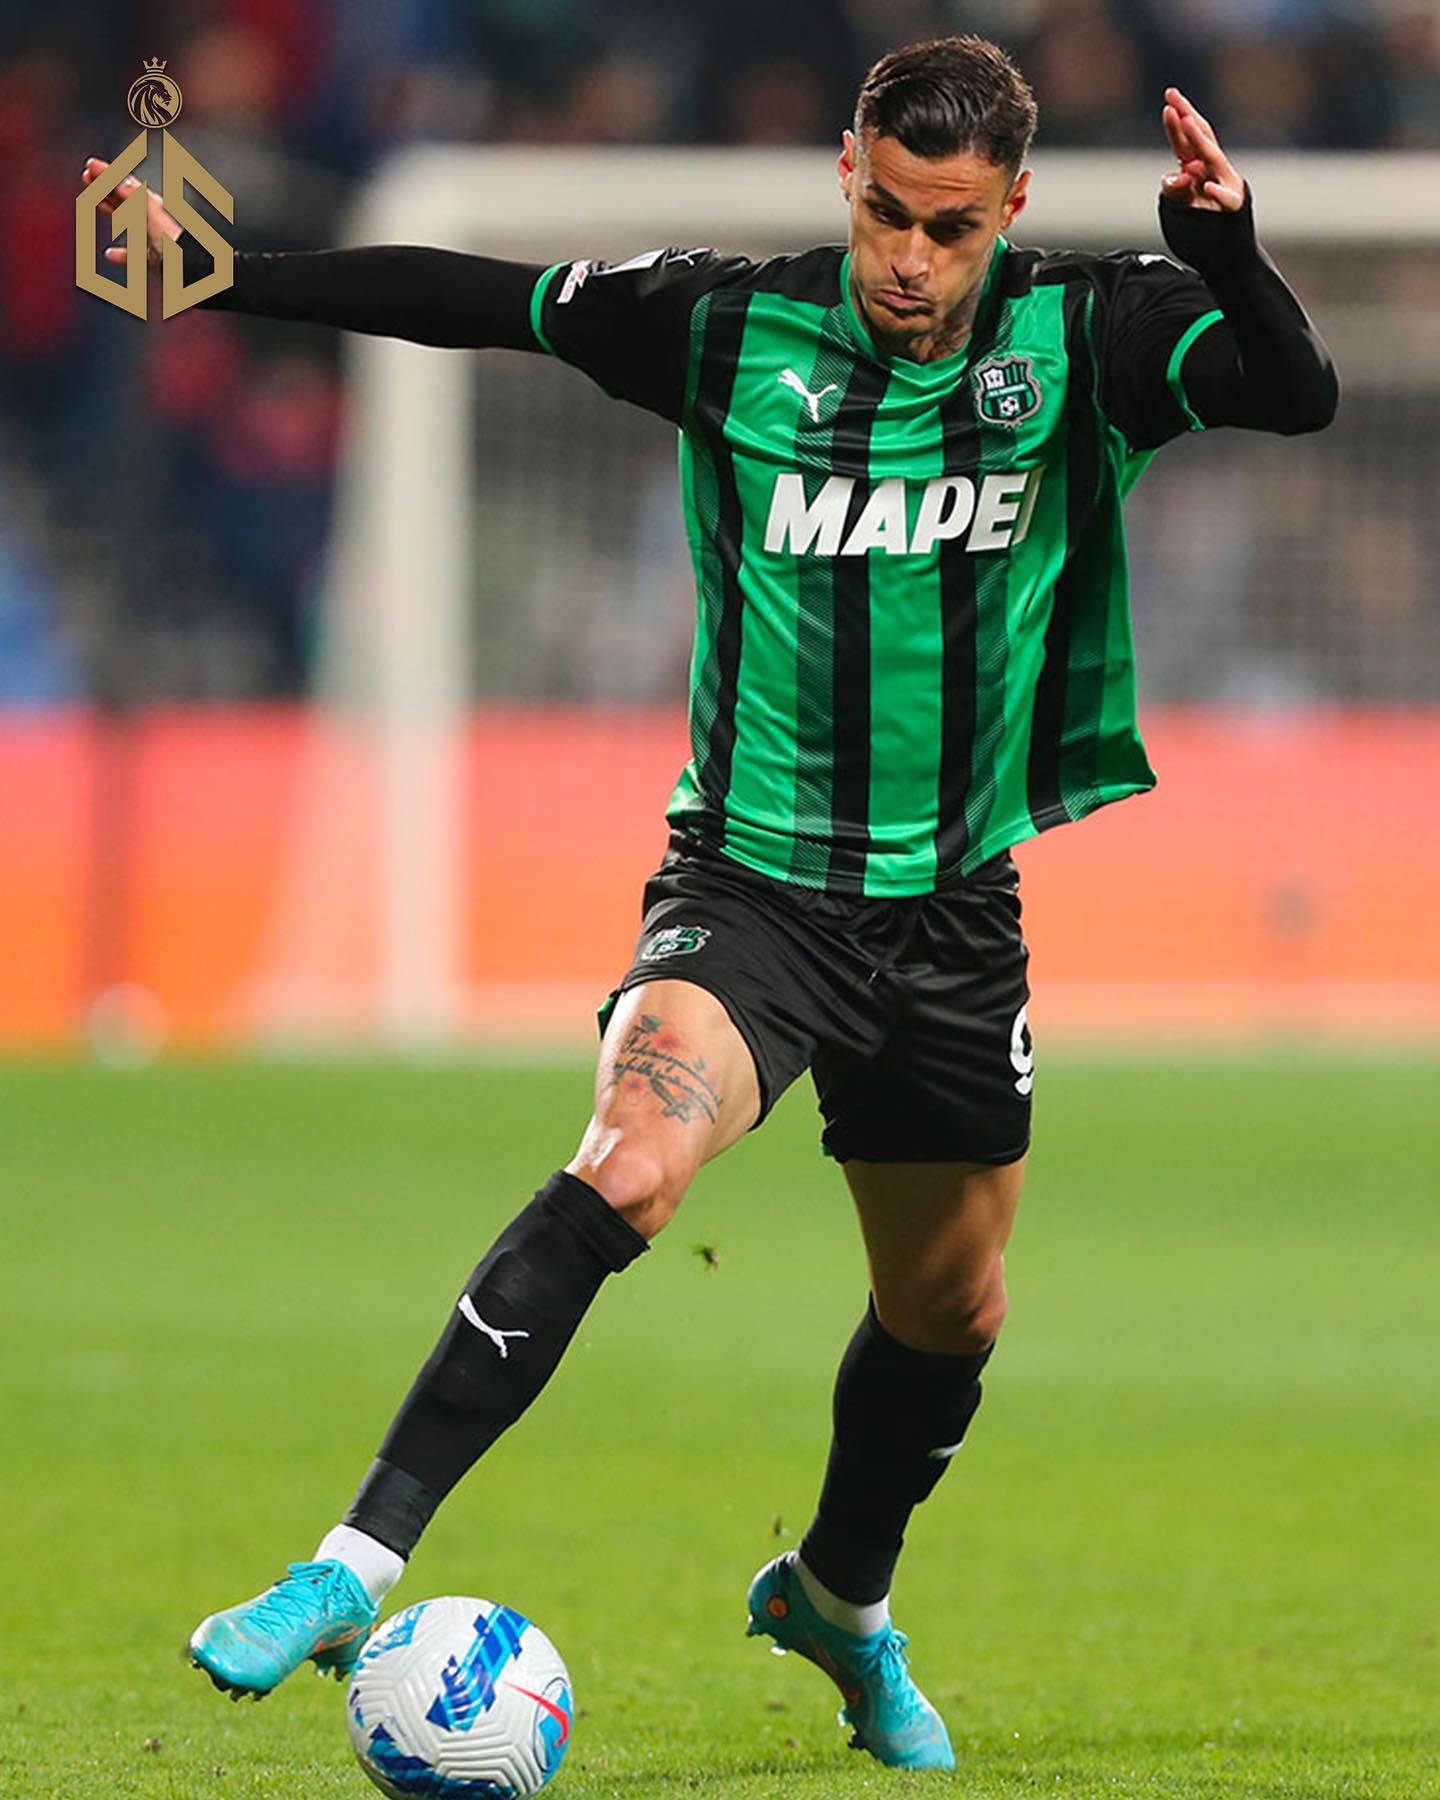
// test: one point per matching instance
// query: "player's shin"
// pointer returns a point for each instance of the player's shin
(899, 1417)
(508, 1332)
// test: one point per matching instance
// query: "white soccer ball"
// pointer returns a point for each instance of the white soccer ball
(460, 1699)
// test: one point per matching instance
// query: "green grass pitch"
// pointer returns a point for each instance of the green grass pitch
(1188, 1552)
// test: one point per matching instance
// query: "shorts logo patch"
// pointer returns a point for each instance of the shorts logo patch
(676, 940)
(1006, 390)
(1022, 1052)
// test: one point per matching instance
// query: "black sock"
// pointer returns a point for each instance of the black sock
(899, 1416)
(510, 1327)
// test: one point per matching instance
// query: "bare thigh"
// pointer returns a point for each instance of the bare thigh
(675, 1085)
(934, 1235)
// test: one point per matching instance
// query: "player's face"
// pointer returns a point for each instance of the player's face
(922, 231)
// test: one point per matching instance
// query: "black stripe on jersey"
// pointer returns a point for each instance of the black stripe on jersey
(1045, 796)
(719, 365)
(958, 698)
(850, 788)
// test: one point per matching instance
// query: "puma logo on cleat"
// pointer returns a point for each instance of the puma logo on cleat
(497, 1338)
(792, 381)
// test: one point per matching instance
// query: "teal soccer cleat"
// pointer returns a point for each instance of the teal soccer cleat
(889, 1715)
(320, 1610)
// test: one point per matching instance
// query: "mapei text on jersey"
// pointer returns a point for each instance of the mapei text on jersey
(993, 514)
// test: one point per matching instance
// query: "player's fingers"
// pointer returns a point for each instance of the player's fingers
(1227, 196)
(1205, 141)
(123, 192)
(1190, 174)
(1222, 172)
(1198, 147)
(1187, 108)
(1179, 143)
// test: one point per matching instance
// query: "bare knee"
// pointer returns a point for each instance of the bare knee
(636, 1176)
(948, 1315)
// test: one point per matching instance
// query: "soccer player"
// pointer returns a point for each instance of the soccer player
(903, 468)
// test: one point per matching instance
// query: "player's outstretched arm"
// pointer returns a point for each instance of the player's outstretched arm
(1270, 370)
(429, 296)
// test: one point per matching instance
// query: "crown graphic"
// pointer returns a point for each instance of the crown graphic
(155, 65)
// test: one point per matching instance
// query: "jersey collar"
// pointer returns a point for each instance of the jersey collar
(946, 366)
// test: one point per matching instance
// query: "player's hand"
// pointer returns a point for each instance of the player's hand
(1206, 178)
(158, 223)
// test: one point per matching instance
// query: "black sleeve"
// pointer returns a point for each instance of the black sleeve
(628, 326)
(1228, 344)
(1268, 369)
(394, 290)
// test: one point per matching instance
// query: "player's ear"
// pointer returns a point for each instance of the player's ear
(1015, 199)
(846, 165)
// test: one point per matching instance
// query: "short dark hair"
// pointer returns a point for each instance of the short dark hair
(948, 96)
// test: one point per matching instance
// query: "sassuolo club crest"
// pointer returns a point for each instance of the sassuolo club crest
(1006, 390)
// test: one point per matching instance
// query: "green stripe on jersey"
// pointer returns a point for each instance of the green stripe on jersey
(696, 790)
(831, 370)
(1012, 597)
(906, 642)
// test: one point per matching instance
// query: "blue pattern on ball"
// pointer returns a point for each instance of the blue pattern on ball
(415, 1776)
(467, 1687)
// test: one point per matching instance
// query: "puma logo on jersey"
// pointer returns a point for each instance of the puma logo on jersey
(497, 1338)
(792, 381)
(991, 514)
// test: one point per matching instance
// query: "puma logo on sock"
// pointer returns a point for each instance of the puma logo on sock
(497, 1338)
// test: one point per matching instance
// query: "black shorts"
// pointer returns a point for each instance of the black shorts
(910, 1014)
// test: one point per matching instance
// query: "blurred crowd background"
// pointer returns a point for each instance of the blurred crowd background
(165, 495)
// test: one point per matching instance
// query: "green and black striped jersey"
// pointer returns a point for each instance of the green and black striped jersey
(913, 644)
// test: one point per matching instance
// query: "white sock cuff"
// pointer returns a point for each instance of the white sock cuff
(863, 1619)
(377, 1565)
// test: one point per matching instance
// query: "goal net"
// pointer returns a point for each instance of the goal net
(501, 666)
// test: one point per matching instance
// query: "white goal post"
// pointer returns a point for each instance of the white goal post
(392, 682)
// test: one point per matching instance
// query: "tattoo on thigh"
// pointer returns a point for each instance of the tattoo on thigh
(650, 1052)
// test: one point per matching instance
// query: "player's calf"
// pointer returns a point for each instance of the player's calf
(507, 1332)
(501, 1344)
(900, 1417)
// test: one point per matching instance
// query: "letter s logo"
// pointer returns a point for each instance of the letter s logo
(177, 167)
